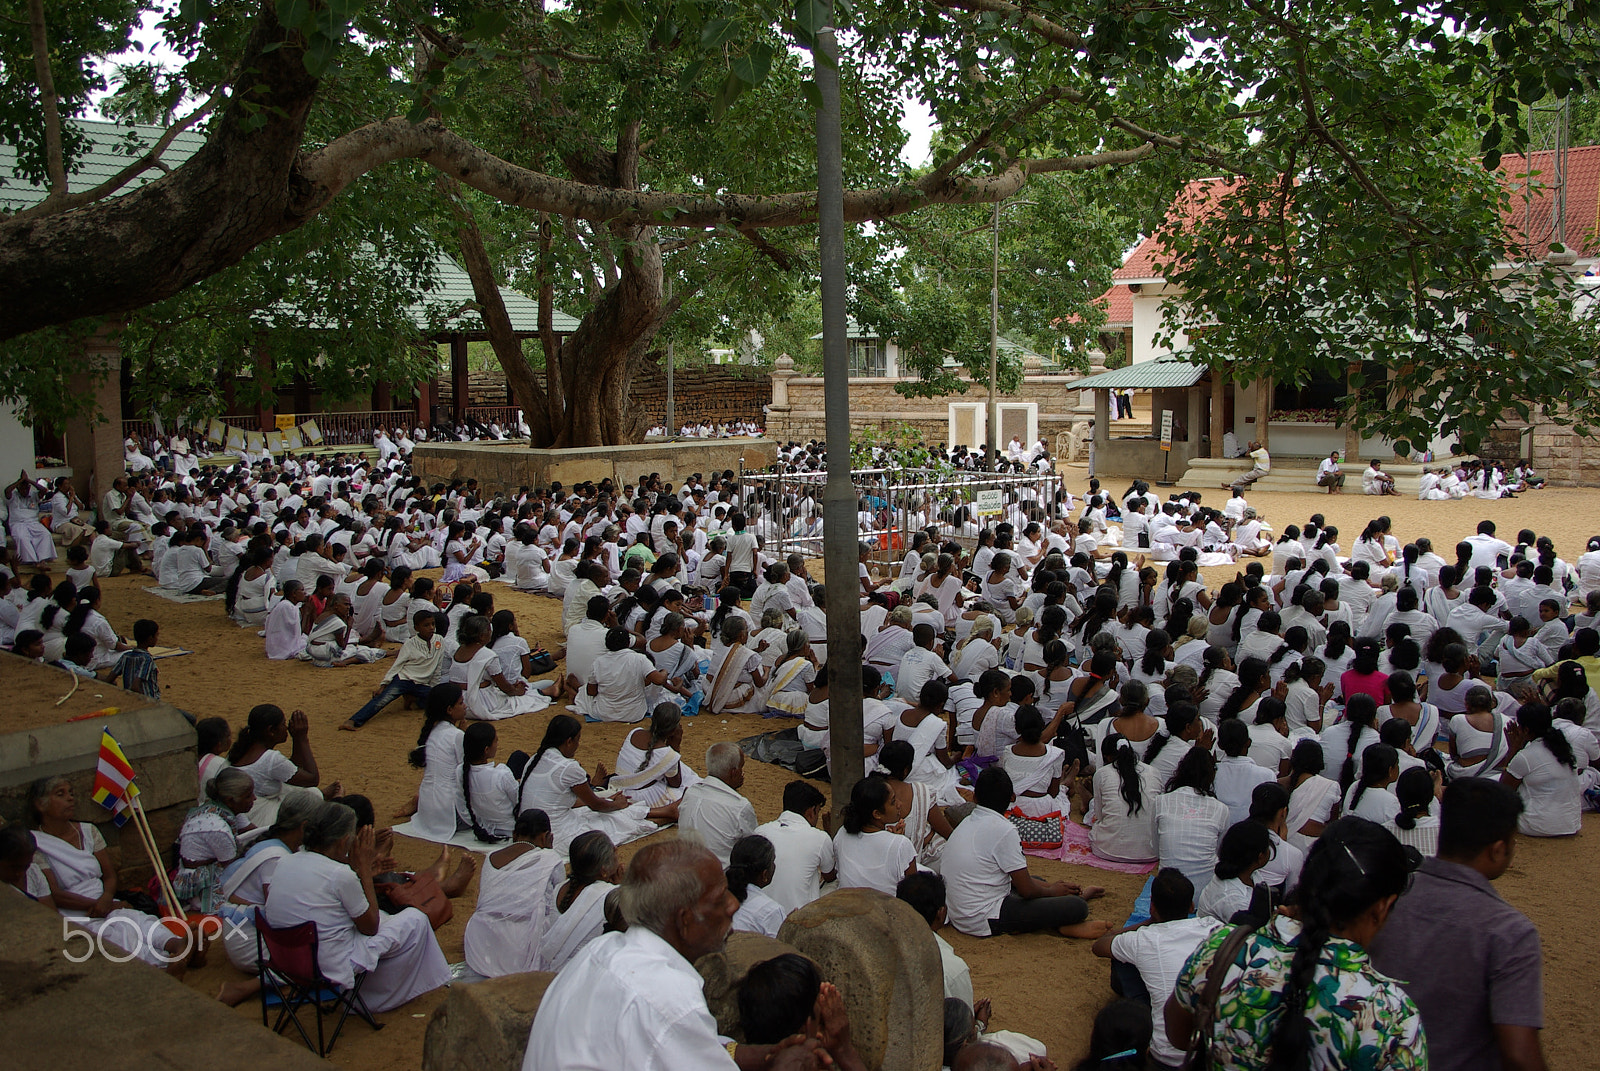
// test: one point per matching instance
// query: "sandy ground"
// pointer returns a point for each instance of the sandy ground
(1040, 985)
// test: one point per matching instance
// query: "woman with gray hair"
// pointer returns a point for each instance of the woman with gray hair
(330, 884)
(209, 839)
(244, 888)
(576, 913)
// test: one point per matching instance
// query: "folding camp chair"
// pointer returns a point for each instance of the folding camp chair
(289, 974)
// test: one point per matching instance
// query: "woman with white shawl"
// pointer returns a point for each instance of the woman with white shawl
(650, 768)
(516, 898)
(789, 693)
(83, 878)
(737, 677)
(475, 666)
(923, 820)
(933, 742)
(1314, 800)
(577, 912)
(552, 781)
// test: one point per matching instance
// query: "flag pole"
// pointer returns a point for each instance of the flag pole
(147, 836)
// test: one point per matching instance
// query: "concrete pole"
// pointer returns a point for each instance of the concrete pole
(1219, 411)
(839, 543)
(1263, 409)
(994, 344)
(672, 421)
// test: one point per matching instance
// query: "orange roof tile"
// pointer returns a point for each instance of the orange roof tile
(1528, 224)
(1530, 220)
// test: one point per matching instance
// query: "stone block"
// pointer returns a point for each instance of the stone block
(484, 1026)
(882, 956)
(97, 1013)
(724, 972)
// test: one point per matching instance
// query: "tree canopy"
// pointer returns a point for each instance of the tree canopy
(594, 151)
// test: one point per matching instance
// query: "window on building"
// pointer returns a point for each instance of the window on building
(867, 357)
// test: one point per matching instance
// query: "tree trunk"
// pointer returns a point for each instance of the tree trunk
(520, 375)
(598, 360)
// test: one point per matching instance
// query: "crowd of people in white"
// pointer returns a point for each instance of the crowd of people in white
(1319, 713)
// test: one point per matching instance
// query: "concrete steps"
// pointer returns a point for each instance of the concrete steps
(1293, 474)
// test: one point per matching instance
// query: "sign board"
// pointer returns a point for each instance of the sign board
(988, 503)
(285, 421)
(1166, 429)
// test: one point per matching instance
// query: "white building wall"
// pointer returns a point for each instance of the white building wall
(16, 445)
(1147, 311)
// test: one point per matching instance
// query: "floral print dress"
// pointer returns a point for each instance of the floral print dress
(1360, 1019)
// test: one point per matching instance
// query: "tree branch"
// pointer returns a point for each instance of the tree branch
(54, 159)
(998, 128)
(1050, 31)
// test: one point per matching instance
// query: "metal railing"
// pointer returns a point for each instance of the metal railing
(503, 415)
(893, 505)
(353, 428)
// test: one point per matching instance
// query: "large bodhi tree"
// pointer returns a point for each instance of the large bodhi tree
(615, 119)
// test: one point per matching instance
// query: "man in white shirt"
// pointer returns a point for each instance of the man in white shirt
(804, 853)
(920, 664)
(988, 889)
(1330, 475)
(713, 807)
(1486, 549)
(1262, 464)
(925, 891)
(634, 1000)
(1147, 957)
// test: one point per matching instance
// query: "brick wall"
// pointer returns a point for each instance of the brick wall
(483, 388)
(710, 394)
(714, 394)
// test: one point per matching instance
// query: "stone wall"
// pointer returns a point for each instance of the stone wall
(96, 1013)
(1563, 456)
(159, 742)
(504, 466)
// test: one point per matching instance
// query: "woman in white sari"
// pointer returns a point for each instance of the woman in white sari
(577, 912)
(933, 742)
(244, 888)
(737, 677)
(83, 880)
(553, 782)
(1314, 800)
(475, 666)
(789, 693)
(329, 642)
(650, 768)
(516, 897)
(253, 596)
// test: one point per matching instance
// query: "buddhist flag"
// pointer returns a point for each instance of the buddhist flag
(113, 779)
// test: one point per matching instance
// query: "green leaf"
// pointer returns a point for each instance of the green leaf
(295, 14)
(691, 74)
(752, 67)
(717, 33)
(811, 15)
